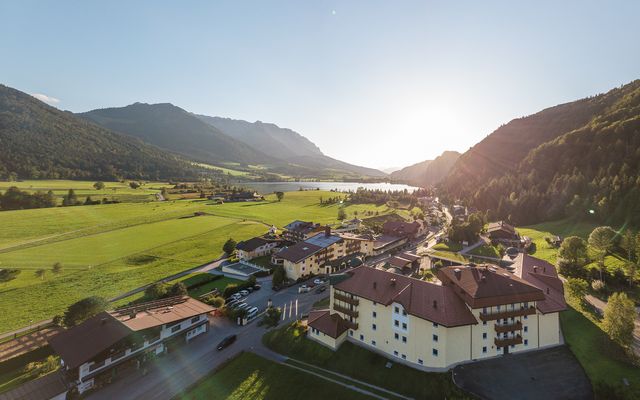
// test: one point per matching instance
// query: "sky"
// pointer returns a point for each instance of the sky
(375, 83)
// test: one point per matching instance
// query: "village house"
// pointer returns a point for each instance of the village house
(502, 232)
(477, 312)
(256, 247)
(298, 231)
(410, 230)
(386, 243)
(95, 350)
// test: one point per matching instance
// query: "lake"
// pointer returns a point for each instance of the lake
(270, 187)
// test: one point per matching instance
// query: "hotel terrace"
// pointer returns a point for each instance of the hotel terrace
(475, 312)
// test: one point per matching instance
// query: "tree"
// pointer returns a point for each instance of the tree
(98, 185)
(572, 255)
(157, 290)
(619, 318)
(8, 274)
(229, 246)
(576, 288)
(57, 268)
(40, 273)
(278, 276)
(601, 240)
(70, 199)
(342, 215)
(280, 196)
(134, 184)
(628, 243)
(83, 310)
(177, 289)
(271, 317)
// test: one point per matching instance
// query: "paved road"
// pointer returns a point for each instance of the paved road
(177, 370)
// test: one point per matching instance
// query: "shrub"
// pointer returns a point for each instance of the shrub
(156, 290)
(271, 317)
(598, 285)
(84, 309)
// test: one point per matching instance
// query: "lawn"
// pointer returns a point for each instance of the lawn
(219, 284)
(252, 377)
(448, 246)
(449, 255)
(362, 364)
(485, 251)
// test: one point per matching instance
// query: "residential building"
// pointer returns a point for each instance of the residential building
(298, 231)
(256, 247)
(386, 243)
(502, 232)
(366, 242)
(476, 313)
(96, 349)
(410, 230)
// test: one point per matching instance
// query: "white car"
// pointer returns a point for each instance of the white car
(240, 306)
(236, 296)
(318, 281)
(244, 292)
(304, 289)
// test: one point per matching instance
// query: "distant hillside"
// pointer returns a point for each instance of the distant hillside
(429, 172)
(177, 130)
(40, 141)
(301, 156)
(562, 161)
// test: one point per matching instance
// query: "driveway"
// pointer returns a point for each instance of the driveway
(174, 372)
(545, 374)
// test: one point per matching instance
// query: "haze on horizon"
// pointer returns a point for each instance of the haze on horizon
(378, 84)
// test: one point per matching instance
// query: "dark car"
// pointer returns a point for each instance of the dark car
(226, 342)
(257, 287)
(321, 289)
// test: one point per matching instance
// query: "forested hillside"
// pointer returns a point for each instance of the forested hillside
(39, 141)
(429, 172)
(590, 169)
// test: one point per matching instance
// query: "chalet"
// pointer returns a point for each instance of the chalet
(410, 230)
(256, 247)
(93, 351)
(502, 231)
(298, 231)
(386, 243)
(478, 312)
(244, 196)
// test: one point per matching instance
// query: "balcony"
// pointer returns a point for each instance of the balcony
(351, 325)
(345, 298)
(517, 326)
(502, 342)
(507, 314)
(345, 310)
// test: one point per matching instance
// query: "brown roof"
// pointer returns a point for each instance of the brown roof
(157, 313)
(501, 226)
(384, 240)
(46, 387)
(327, 323)
(544, 276)
(408, 256)
(401, 228)
(487, 286)
(88, 339)
(253, 243)
(423, 299)
(399, 262)
(298, 252)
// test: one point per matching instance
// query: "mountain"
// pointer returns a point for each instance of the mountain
(176, 130)
(566, 160)
(429, 172)
(288, 146)
(40, 141)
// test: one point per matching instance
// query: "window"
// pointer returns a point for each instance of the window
(404, 339)
(374, 314)
(373, 343)
(404, 313)
(396, 322)
(525, 317)
(420, 361)
(395, 353)
(404, 325)
(484, 310)
(195, 319)
(498, 308)
(526, 342)
(175, 328)
(435, 338)
(434, 352)
(395, 335)
(526, 329)
(404, 356)
(351, 333)
(484, 335)
(361, 337)
(373, 327)
(484, 349)
(396, 310)
(435, 324)
(484, 323)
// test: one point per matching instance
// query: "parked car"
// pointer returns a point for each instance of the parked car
(231, 303)
(318, 281)
(304, 289)
(257, 287)
(244, 293)
(226, 342)
(239, 305)
(243, 306)
(252, 312)
(321, 289)
(250, 289)
(236, 295)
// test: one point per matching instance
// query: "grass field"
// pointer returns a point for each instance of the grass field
(252, 377)
(361, 364)
(109, 249)
(485, 251)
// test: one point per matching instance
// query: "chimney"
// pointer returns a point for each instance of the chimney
(327, 231)
(544, 269)
(483, 278)
(535, 269)
(375, 284)
(547, 290)
(393, 281)
(435, 304)
(103, 321)
(457, 272)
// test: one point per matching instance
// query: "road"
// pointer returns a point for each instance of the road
(175, 371)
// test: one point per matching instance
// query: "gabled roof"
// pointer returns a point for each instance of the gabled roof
(298, 252)
(423, 299)
(330, 324)
(544, 276)
(81, 343)
(487, 286)
(399, 262)
(253, 243)
(401, 227)
(501, 226)
(160, 312)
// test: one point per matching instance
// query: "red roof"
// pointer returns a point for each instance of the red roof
(327, 323)
(544, 276)
(423, 299)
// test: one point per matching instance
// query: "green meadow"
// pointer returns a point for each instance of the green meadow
(109, 249)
